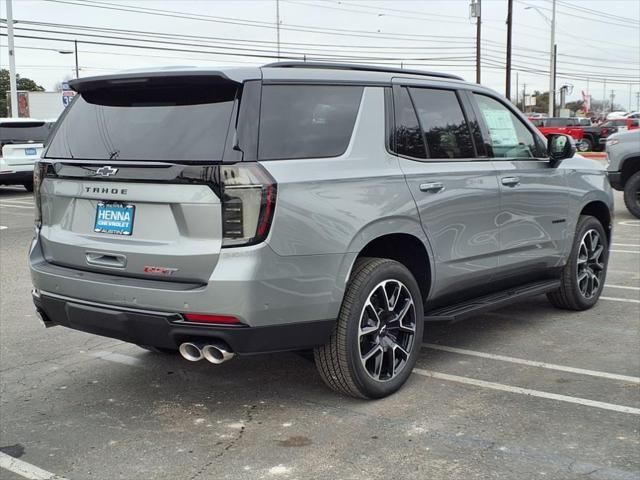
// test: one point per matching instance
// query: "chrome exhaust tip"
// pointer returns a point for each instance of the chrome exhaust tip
(217, 353)
(190, 351)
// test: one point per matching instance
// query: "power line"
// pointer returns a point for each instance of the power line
(257, 24)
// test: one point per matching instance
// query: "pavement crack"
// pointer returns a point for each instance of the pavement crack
(248, 418)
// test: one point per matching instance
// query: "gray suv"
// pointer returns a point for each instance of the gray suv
(299, 207)
(623, 151)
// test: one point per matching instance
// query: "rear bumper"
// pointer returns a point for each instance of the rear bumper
(168, 330)
(253, 284)
(615, 179)
(13, 177)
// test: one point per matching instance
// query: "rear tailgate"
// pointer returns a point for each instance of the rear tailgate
(175, 229)
(21, 154)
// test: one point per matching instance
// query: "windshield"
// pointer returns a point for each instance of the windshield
(156, 123)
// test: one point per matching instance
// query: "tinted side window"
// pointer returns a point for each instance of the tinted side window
(408, 135)
(445, 128)
(510, 138)
(307, 121)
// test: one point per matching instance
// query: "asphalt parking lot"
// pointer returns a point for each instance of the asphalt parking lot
(526, 392)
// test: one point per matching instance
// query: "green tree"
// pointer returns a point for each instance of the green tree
(24, 83)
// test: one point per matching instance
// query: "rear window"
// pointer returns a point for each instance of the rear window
(157, 122)
(24, 132)
(307, 121)
(557, 122)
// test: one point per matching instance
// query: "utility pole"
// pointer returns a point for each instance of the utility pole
(75, 49)
(475, 11)
(278, 26)
(13, 84)
(629, 97)
(612, 96)
(552, 62)
(604, 97)
(555, 61)
(507, 88)
(637, 101)
(524, 97)
(517, 86)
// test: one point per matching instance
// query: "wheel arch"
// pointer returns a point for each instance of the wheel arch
(405, 242)
(630, 166)
(599, 210)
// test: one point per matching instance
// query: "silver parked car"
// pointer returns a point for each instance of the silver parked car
(306, 206)
(623, 151)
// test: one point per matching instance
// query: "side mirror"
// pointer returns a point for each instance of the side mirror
(559, 147)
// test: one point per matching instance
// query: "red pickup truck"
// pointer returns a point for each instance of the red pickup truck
(564, 125)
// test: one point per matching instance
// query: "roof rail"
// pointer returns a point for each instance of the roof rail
(359, 67)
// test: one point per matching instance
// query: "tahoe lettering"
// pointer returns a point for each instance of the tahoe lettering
(113, 191)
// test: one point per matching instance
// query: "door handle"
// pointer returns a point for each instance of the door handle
(434, 187)
(510, 181)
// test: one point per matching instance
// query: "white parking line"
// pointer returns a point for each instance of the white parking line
(2, 227)
(625, 251)
(11, 199)
(626, 245)
(630, 223)
(9, 205)
(622, 286)
(25, 469)
(624, 300)
(117, 358)
(532, 363)
(3, 202)
(527, 391)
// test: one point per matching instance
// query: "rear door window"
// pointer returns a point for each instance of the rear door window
(443, 123)
(181, 122)
(307, 121)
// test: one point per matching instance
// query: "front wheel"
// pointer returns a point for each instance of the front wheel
(583, 276)
(377, 337)
(632, 194)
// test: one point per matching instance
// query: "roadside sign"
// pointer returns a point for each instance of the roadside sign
(67, 96)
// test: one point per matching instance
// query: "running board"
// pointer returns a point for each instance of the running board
(460, 311)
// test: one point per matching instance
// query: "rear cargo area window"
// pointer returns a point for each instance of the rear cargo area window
(307, 121)
(181, 122)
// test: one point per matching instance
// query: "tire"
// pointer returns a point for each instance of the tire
(28, 186)
(394, 342)
(158, 350)
(584, 145)
(632, 194)
(575, 294)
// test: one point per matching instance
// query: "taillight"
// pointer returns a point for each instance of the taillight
(604, 131)
(39, 170)
(210, 318)
(248, 203)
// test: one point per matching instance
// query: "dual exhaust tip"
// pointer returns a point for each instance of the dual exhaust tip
(214, 352)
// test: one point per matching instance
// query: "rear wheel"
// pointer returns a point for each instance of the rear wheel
(584, 145)
(377, 337)
(632, 194)
(584, 274)
(28, 186)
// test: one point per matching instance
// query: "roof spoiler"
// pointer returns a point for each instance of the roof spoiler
(167, 76)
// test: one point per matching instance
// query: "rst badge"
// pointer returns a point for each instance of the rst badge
(159, 270)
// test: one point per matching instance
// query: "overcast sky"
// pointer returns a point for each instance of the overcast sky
(595, 38)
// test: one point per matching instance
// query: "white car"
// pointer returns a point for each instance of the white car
(619, 114)
(21, 144)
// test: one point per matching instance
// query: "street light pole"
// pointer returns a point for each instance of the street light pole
(507, 87)
(552, 62)
(13, 84)
(75, 49)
